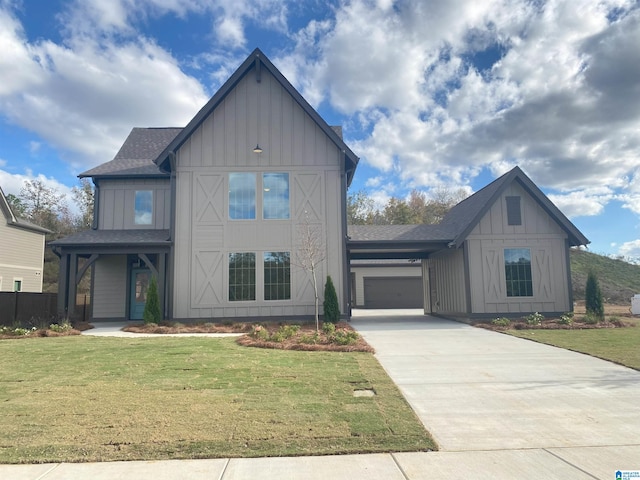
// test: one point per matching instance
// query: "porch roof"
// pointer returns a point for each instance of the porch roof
(115, 238)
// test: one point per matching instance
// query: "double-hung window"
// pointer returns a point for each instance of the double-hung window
(277, 276)
(242, 277)
(517, 269)
(143, 207)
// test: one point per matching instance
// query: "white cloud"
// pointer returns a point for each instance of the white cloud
(630, 249)
(581, 203)
(13, 183)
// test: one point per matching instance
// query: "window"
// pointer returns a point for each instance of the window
(242, 277)
(517, 267)
(17, 285)
(277, 276)
(275, 196)
(514, 215)
(242, 196)
(143, 207)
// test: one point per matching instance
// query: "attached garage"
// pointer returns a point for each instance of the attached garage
(393, 292)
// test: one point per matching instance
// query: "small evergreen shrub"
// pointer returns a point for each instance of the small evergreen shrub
(594, 302)
(591, 319)
(345, 337)
(534, 319)
(329, 328)
(566, 319)
(152, 313)
(501, 322)
(330, 305)
(60, 328)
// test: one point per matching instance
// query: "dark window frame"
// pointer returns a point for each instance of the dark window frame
(518, 275)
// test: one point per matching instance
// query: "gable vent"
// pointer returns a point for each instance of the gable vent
(514, 215)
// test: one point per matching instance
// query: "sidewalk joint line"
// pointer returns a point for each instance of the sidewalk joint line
(570, 464)
(404, 474)
(49, 471)
(224, 469)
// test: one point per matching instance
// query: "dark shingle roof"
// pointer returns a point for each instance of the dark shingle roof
(115, 238)
(462, 219)
(397, 233)
(136, 156)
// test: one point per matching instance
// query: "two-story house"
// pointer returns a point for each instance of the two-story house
(21, 252)
(217, 210)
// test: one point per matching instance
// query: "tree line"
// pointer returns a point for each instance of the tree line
(417, 208)
(47, 207)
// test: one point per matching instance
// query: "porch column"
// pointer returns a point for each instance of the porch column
(162, 276)
(63, 284)
(71, 284)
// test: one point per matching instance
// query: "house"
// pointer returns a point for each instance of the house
(218, 210)
(21, 252)
(503, 251)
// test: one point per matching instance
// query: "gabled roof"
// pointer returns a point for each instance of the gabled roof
(256, 61)
(136, 156)
(463, 218)
(455, 226)
(15, 221)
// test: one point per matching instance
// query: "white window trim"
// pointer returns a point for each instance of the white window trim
(18, 279)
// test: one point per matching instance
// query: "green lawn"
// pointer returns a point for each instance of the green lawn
(100, 399)
(619, 345)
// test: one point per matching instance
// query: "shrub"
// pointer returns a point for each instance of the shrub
(534, 319)
(60, 328)
(501, 322)
(594, 302)
(566, 319)
(152, 313)
(310, 339)
(284, 332)
(260, 332)
(330, 305)
(590, 319)
(329, 328)
(344, 337)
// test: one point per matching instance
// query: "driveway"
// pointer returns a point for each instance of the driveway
(477, 390)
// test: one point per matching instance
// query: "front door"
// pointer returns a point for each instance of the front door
(140, 279)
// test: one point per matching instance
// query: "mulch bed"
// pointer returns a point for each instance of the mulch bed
(552, 324)
(43, 333)
(299, 341)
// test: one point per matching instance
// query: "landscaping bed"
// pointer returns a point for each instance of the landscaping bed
(340, 337)
(568, 321)
(54, 330)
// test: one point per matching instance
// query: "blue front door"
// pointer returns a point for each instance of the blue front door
(140, 278)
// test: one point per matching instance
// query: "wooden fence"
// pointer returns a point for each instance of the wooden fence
(37, 309)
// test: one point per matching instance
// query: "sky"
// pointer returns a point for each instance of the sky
(430, 94)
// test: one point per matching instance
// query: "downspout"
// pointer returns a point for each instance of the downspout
(172, 237)
(346, 267)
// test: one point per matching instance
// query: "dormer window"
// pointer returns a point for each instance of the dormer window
(514, 214)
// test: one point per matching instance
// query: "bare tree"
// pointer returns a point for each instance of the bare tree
(310, 255)
(83, 198)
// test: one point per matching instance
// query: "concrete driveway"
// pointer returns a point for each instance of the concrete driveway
(477, 390)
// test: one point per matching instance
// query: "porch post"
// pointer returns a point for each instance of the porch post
(63, 284)
(71, 285)
(162, 262)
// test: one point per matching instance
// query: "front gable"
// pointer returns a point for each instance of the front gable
(532, 220)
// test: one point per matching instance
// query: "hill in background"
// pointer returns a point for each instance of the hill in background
(619, 281)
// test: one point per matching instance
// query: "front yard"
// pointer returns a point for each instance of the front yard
(79, 399)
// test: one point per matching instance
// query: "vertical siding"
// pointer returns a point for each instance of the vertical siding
(447, 284)
(539, 233)
(21, 258)
(265, 114)
(117, 201)
(110, 287)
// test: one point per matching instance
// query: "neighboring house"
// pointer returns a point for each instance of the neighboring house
(502, 251)
(21, 252)
(217, 210)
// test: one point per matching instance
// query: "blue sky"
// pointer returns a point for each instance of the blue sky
(430, 94)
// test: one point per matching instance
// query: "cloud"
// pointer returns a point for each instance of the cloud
(630, 249)
(13, 183)
(446, 90)
(88, 95)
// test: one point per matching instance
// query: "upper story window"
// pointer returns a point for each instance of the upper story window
(514, 214)
(242, 196)
(275, 196)
(517, 269)
(143, 207)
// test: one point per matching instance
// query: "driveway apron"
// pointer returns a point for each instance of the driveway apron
(480, 390)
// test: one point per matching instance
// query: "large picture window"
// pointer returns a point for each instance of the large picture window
(242, 196)
(277, 276)
(517, 268)
(275, 196)
(143, 207)
(242, 277)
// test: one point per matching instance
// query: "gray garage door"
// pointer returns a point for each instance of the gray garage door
(393, 292)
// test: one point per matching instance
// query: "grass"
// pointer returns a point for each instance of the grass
(78, 399)
(619, 345)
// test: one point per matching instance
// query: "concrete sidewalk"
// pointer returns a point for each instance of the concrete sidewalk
(499, 407)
